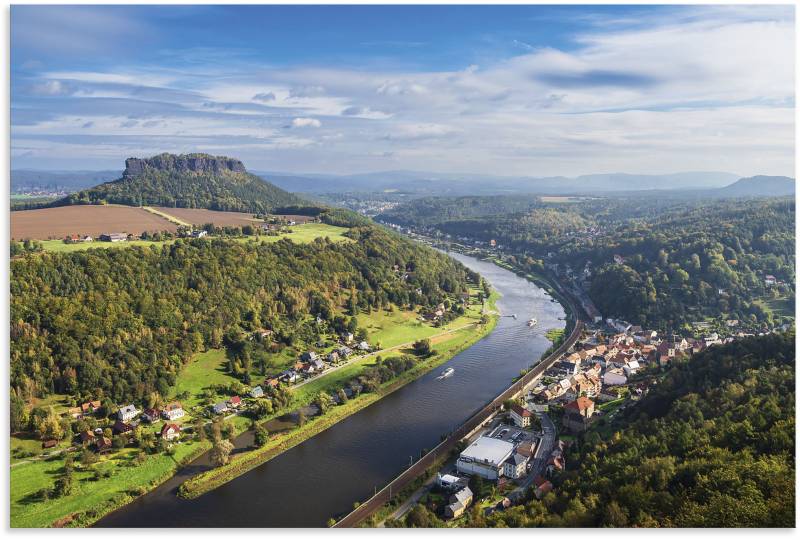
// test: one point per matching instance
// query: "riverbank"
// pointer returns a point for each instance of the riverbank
(444, 350)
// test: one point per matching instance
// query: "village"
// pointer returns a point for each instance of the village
(520, 452)
(103, 427)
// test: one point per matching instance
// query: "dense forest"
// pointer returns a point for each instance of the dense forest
(678, 260)
(187, 181)
(711, 445)
(120, 323)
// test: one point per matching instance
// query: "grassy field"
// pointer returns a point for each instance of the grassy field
(61, 247)
(779, 307)
(301, 234)
(90, 498)
(205, 370)
(305, 233)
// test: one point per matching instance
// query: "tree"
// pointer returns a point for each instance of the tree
(423, 347)
(19, 413)
(261, 435)
(220, 452)
(323, 402)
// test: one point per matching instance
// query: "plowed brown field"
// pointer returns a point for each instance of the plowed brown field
(55, 223)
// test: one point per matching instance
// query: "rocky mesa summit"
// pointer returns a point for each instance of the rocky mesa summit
(186, 163)
(187, 181)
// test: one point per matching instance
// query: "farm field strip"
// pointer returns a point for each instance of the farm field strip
(92, 220)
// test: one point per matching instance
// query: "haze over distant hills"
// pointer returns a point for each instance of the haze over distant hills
(710, 183)
(479, 184)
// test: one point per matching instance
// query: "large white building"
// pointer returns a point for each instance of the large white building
(485, 458)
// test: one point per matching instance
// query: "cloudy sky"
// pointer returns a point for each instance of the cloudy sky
(526, 90)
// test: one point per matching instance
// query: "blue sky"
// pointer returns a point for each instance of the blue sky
(517, 90)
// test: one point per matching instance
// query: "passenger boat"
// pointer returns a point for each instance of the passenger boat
(446, 373)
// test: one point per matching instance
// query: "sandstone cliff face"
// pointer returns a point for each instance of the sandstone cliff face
(199, 163)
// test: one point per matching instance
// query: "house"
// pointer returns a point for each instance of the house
(90, 407)
(199, 234)
(448, 481)
(258, 392)
(665, 353)
(127, 413)
(541, 487)
(86, 437)
(289, 375)
(75, 412)
(554, 464)
(347, 337)
(577, 414)
(151, 415)
(50, 443)
(170, 432)
(614, 376)
(631, 368)
(219, 408)
(318, 365)
(769, 280)
(485, 458)
(102, 445)
(308, 369)
(363, 346)
(333, 357)
(459, 502)
(121, 427)
(235, 402)
(113, 237)
(88, 239)
(308, 356)
(345, 351)
(521, 416)
(514, 467)
(173, 411)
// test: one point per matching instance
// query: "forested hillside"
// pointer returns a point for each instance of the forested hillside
(187, 181)
(120, 323)
(677, 261)
(711, 445)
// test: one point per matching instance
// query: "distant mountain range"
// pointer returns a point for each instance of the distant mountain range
(423, 183)
(721, 184)
(187, 181)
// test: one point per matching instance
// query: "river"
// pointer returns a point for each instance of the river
(326, 474)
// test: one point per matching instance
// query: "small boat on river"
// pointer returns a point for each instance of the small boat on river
(446, 373)
(533, 322)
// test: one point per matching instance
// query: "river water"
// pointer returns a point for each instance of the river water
(326, 474)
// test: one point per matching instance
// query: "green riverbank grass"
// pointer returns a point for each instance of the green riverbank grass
(90, 499)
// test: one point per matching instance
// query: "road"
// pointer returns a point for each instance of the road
(543, 451)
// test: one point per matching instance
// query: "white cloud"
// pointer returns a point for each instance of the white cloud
(306, 122)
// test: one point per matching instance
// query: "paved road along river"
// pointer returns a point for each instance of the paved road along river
(325, 475)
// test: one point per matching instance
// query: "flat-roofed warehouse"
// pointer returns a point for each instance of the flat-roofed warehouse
(485, 457)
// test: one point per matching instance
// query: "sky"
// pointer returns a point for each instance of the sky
(502, 90)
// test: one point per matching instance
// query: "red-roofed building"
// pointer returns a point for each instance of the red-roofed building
(170, 432)
(521, 416)
(577, 414)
